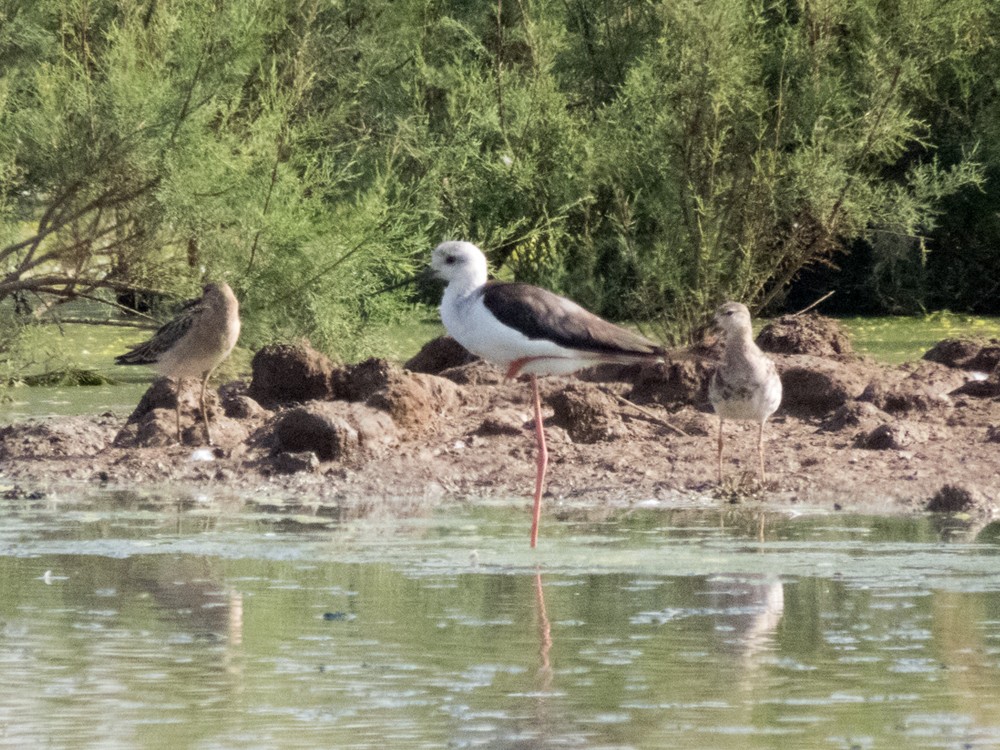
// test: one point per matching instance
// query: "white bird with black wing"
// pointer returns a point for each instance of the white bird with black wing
(193, 344)
(527, 330)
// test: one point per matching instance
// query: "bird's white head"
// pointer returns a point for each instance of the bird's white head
(460, 262)
(733, 318)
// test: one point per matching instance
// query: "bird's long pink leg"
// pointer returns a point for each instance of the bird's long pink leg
(543, 461)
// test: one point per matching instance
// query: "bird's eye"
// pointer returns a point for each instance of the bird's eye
(449, 259)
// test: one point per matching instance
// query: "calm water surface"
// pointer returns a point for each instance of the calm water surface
(145, 621)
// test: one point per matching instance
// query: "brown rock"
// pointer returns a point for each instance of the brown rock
(892, 436)
(814, 387)
(986, 360)
(333, 430)
(989, 388)
(673, 383)
(479, 372)
(900, 396)
(993, 434)
(415, 401)
(358, 382)
(503, 422)
(287, 462)
(855, 415)
(65, 436)
(285, 373)
(806, 334)
(953, 352)
(587, 414)
(438, 355)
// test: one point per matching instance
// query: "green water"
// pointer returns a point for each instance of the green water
(897, 339)
(201, 621)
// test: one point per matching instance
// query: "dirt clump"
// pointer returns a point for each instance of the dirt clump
(504, 421)
(478, 372)
(675, 382)
(807, 334)
(65, 437)
(588, 414)
(857, 415)
(287, 373)
(333, 430)
(966, 354)
(981, 388)
(438, 355)
(895, 436)
(814, 387)
(153, 422)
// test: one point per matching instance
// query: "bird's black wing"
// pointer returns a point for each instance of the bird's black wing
(541, 314)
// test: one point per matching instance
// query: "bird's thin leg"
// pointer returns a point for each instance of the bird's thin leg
(719, 453)
(543, 461)
(180, 384)
(760, 452)
(204, 411)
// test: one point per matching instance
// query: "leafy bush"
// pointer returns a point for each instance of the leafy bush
(649, 159)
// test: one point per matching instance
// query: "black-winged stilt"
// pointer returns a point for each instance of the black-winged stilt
(528, 330)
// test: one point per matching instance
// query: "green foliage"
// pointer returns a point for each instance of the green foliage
(647, 158)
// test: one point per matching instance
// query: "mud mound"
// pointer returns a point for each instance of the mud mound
(416, 401)
(588, 414)
(815, 387)
(478, 372)
(333, 430)
(988, 388)
(900, 397)
(285, 373)
(892, 436)
(966, 354)
(986, 360)
(858, 415)
(953, 352)
(438, 355)
(66, 436)
(673, 383)
(153, 422)
(359, 382)
(806, 334)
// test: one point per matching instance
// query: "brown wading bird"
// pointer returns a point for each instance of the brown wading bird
(528, 330)
(193, 344)
(746, 384)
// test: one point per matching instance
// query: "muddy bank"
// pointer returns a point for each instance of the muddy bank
(851, 433)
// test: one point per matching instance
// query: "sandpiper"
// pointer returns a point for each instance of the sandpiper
(193, 344)
(746, 384)
(528, 330)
